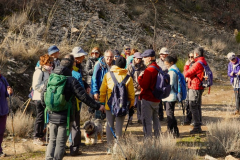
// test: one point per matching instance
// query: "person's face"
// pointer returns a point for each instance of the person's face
(233, 60)
(167, 64)
(95, 54)
(191, 57)
(195, 55)
(127, 50)
(146, 60)
(115, 57)
(79, 59)
(163, 56)
(55, 55)
(137, 60)
(108, 58)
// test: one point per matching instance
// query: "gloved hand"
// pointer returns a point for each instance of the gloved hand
(90, 110)
(131, 111)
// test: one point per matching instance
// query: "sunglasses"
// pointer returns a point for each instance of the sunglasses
(116, 56)
(191, 57)
(127, 49)
(96, 52)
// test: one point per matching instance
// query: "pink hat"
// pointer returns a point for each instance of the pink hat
(137, 55)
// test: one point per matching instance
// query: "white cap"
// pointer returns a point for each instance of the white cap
(164, 50)
(231, 56)
(78, 52)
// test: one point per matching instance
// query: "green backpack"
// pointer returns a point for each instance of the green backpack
(55, 99)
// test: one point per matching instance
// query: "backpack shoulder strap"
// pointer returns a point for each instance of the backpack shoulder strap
(155, 68)
(125, 79)
(174, 70)
(113, 77)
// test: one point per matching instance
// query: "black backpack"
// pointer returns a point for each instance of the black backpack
(118, 101)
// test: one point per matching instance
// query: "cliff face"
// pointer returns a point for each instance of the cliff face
(180, 25)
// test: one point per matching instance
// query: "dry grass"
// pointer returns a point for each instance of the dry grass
(162, 148)
(17, 21)
(224, 137)
(22, 124)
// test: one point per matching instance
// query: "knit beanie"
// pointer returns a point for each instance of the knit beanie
(120, 62)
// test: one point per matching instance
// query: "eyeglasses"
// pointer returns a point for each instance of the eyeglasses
(116, 56)
(127, 49)
(191, 57)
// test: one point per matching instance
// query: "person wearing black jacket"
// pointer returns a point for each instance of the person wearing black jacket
(95, 54)
(58, 120)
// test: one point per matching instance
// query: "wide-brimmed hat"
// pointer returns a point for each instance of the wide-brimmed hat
(78, 52)
(164, 50)
(52, 49)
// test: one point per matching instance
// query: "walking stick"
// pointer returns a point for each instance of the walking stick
(12, 124)
(28, 101)
(114, 135)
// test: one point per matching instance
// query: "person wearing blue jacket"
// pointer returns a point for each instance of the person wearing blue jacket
(101, 68)
(5, 91)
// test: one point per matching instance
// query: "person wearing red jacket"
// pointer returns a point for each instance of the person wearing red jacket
(150, 105)
(195, 76)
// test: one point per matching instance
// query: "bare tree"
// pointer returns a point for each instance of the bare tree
(155, 22)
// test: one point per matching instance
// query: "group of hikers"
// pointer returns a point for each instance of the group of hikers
(113, 84)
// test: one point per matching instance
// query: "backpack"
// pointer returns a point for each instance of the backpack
(162, 88)
(207, 76)
(118, 101)
(181, 91)
(55, 99)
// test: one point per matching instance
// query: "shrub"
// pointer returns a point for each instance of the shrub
(224, 137)
(180, 64)
(160, 148)
(22, 124)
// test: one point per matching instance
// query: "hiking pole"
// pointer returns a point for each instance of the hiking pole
(114, 135)
(183, 108)
(126, 125)
(12, 124)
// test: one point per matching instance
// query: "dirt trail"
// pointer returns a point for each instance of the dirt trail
(216, 106)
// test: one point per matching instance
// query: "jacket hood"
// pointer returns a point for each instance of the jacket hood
(61, 70)
(118, 70)
(201, 59)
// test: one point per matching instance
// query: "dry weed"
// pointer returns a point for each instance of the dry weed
(218, 45)
(17, 21)
(162, 148)
(22, 124)
(224, 137)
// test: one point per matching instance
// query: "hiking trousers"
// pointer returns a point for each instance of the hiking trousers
(118, 129)
(237, 97)
(39, 122)
(188, 118)
(57, 141)
(3, 120)
(75, 135)
(150, 113)
(171, 120)
(195, 102)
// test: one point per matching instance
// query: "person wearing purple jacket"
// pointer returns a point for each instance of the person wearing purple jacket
(234, 74)
(5, 91)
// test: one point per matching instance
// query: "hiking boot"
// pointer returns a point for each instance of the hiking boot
(130, 122)
(186, 123)
(2, 154)
(38, 141)
(161, 119)
(196, 131)
(109, 151)
(139, 122)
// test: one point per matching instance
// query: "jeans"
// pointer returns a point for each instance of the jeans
(57, 141)
(149, 114)
(3, 120)
(39, 122)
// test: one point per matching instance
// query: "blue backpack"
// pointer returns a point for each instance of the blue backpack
(118, 101)
(162, 88)
(182, 91)
(207, 76)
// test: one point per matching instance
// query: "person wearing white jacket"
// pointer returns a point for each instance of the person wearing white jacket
(170, 62)
(40, 75)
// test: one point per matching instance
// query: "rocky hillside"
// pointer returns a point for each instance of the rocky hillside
(27, 30)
